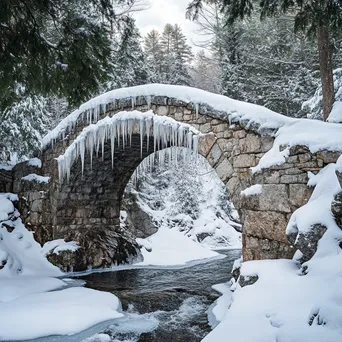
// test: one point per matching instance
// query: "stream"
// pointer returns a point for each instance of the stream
(160, 304)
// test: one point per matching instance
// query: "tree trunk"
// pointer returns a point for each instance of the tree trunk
(325, 65)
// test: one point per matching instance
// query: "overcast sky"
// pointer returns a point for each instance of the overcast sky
(162, 12)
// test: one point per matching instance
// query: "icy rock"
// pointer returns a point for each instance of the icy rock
(336, 209)
(307, 242)
(245, 280)
(146, 226)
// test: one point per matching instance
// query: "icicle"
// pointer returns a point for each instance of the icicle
(60, 171)
(123, 130)
(195, 145)
(149, 101)
(97, 145)
(82, 152)
(103, 136)
(230, 119)
(141, 132)
(130, 131)
(112, 144)
(118, 134)
(197, 110)
(148, 128)
(104, 108)
(155, 135)
(133, 102)
(91, 148)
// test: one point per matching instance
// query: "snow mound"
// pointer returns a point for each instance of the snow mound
(36, 162)
(62, 312)
(19, 252)
(32, 177)
(171, 247)
(252, 190)
(57, 246)
(15, 287)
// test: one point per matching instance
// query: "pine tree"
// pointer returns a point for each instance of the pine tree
(153, 54)
(22, 125)
(54, 47)
(128, 66)
(181, 55)
(319, 19)
(206, 73)
(168, 57)
(261, 62)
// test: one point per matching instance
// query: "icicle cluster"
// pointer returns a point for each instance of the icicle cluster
(119, 130)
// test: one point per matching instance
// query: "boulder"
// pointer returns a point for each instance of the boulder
(245, 280)
(336, 209)
(307, 242)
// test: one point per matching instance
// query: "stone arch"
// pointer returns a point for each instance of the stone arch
(231, 148)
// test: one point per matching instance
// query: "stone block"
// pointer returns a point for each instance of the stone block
(162, 110)
(274, 197)
(259, 249)
(328, 156)
(299, 194)
(233, 186)
(239, 134)
(37, 206)
(244, 160)
(178, 116)
(214, 155)
(224, 170)
(293, 179)
(251, 143)
(205, 128)
(220, 128)
(205, 143)
(266, 225)
(266, 143)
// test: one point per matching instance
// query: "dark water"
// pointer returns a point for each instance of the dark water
(159, 305)
(163, 305)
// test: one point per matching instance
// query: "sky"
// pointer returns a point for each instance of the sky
(161, 12)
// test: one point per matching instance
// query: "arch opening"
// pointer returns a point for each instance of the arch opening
(179, 209)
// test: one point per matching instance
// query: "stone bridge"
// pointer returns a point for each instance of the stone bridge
(86, 208)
